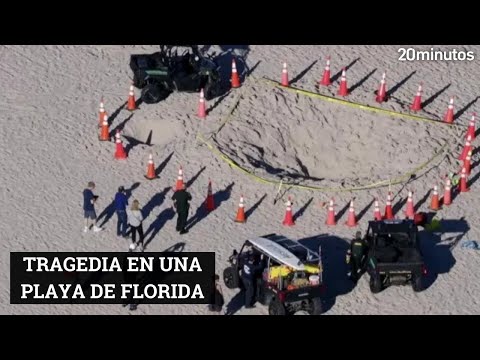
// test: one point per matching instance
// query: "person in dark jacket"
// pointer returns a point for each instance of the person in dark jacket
(357, 253)
(217, 300)
(181, 200)
(249, 275)
(89, 199)
(121, 203)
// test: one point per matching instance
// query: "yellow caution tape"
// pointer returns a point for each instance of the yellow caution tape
(379, 184)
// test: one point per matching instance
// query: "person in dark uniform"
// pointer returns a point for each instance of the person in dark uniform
(357, 253)
(249, 274)
(181, 203)
(217, 300)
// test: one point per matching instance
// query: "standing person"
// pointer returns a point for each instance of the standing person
(89, 200)
(217, 299)
(181, 200)
(357, 251)
(249, 275)
(135, 219)
(121, 203)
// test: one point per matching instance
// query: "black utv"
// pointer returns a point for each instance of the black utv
(161, 73)
(394, 256)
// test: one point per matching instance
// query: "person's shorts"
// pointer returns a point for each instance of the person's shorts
(90, 214)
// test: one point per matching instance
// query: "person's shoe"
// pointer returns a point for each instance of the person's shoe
(178, 230)
(85, 229)
(132, 247)
(250, 307)
(184, 231)
(133, 307)
(142, 247)
(97, 229)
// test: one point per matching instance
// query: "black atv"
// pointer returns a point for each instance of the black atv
(161, 73)
(394, 256)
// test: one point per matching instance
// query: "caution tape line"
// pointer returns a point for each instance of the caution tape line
(379, 184)
(357, 105)
(231, 110)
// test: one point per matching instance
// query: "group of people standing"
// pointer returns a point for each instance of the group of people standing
(131, 216)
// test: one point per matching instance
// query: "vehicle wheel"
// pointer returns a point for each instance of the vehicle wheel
(315, 307)
(276, 308)
(230, 278)
(375, 284)
(417, 283)
(139, 84)
(211, 90)
(154, 93)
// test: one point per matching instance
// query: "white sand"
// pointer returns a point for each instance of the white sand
(49, 151)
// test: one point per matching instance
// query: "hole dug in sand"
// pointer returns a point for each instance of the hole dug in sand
(157, 130)
(283, 134)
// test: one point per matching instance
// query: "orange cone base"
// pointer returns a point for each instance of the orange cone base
(131, 105)
(288, 221)
(351, 223)
(240, 216)
(210, 204)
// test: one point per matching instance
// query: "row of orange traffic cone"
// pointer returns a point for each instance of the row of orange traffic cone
(381, 94)
(131, 106)
(435, 203)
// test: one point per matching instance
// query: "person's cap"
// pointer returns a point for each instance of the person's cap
(121, 189)
(91, 184)
(358, 235)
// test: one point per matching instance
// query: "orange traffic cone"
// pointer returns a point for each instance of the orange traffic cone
(326, 74)
(382, 92)
(288, 221)
(388, 208)
(285, 81)
(352, 219)
(466, 149)
(471, 127)
(120, 153)
(101, 113)
(377, 215)
(104, 132)
(435, 203)
(343, 91)
(235, 78)
(449, 115)
(179, 185)
(463, 181)
(410, 211)
(331, 221)
(131, 104)
(150, 168)
(447, 195)
(417, 101)
(202, 110)
(466, 162)
(210, 202)
(241, 212)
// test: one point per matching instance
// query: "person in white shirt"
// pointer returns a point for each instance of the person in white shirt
(135, 219)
